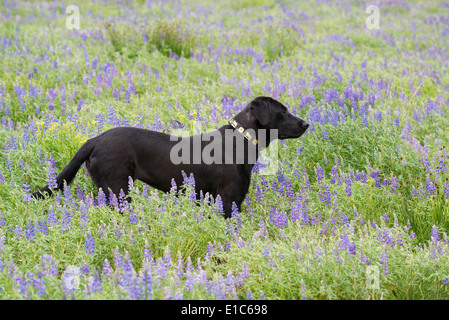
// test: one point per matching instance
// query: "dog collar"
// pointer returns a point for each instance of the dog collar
(241, 130)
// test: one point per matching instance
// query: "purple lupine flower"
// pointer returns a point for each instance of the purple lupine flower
(210, 251)
(90, 244)
(319, 173)
(446, 190)
(93, 284)
(316, 218)
(384, 262)
(48, 265)
(147, 255)
(18, 231)
(161, 269)
(262, 228)
(344, 241)
(107, 269)
(348, 182)
(167, 259)
(299, 150)
(85, 268)
(70, 280)
(180, 265)
(337, 255)
(374, 174)
(122, 202)
(377, 182)
(218, 204)
(51, 217)
(66, 220)
(325, 195)
(79, 192)
(245, 271)
(84, 218)
(249, 206)
(352, 248)
(296, 208)
(324, 229)
(117, 230)
(2, 220)
(278, 218)
(133, 217)
(30, 231)
(334, 174)
(27, 190)
(304, 214)
(42, 227)
(435, 234)
(430, 187)
(101, 198)
(235, 215)
(399, 239)
(113, 199)
(394, 182)
(325, 135)
(173, 186)
(2, 241)
(39, 284)
(51, 174)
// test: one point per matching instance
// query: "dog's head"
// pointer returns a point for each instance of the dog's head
(271, 114)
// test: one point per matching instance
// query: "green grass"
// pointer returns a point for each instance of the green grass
(145, 71)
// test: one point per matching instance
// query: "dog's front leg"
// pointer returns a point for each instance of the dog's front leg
(230, 196)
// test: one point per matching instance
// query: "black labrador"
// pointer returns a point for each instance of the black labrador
(221, 161)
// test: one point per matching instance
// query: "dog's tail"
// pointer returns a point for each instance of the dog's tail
(69, 172)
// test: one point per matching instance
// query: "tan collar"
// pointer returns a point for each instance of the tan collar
(241, 130)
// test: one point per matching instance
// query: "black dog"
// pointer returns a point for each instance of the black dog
(222, 162)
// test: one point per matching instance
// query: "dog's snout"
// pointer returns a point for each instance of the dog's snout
(305, 125)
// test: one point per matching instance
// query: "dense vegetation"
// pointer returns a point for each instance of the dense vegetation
(365, 188)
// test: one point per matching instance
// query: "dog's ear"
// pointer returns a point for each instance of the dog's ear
(261, 110)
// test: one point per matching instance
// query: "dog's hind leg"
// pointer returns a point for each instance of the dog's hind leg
(111, 178)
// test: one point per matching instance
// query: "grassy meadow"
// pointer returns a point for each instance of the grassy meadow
(357, 208)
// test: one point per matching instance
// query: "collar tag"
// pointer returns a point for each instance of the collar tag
(240, 129)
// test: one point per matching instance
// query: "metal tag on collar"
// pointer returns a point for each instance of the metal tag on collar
(233, 122)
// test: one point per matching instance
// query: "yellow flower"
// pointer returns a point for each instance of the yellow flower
(81, 139)
(53, 125)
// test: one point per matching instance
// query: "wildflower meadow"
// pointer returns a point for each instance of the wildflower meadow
(356, 209)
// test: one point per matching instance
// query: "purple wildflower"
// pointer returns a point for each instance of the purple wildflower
(319, 173)
(430, 188)
(2, 220)
(278, 218)
(30, 231)
(384, 262)
(90, 244)
(101, 198)
(435, 234)
(334, 174)
(51, 174)
(27, 190)
(352, 248)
